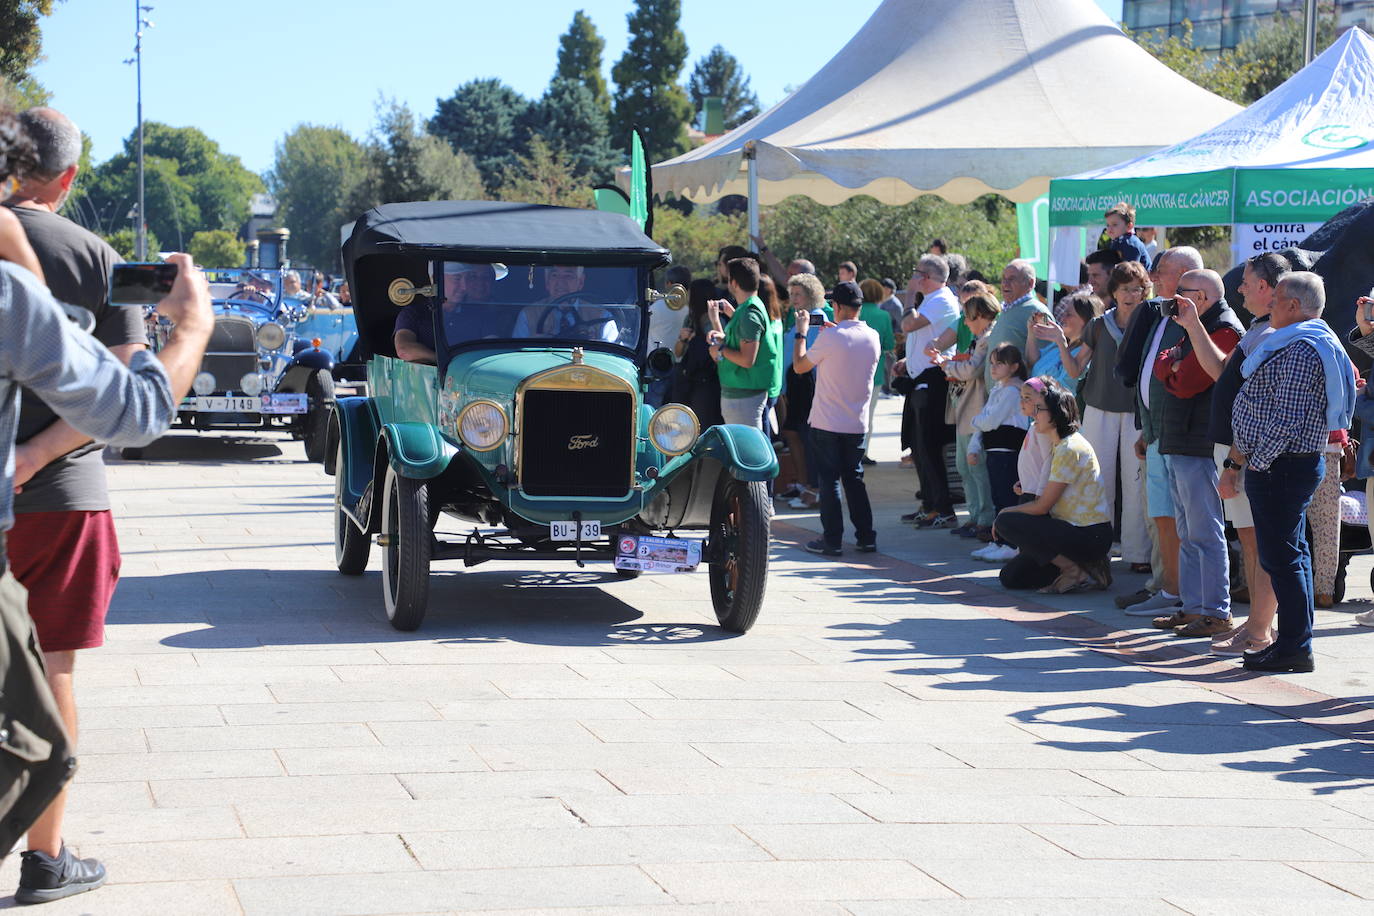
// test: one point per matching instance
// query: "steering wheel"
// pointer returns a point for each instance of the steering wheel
(590, 328)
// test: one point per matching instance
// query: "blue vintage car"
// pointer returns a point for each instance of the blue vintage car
(260, 370)
(526, 423)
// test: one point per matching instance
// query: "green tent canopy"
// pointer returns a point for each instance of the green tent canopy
(1301, 154)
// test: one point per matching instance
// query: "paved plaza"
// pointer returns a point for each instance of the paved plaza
(896, 735)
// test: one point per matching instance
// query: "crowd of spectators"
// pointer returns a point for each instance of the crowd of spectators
(1138, 417)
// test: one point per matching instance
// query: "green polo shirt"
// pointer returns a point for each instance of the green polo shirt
(751, 322)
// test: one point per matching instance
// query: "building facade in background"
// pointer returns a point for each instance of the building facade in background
(1219, 25)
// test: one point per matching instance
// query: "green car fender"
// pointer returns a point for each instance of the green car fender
(417, 450)
(744, 451)
(355, 425)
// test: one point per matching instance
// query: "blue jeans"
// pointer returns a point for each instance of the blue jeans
(746, 411)
(1204, 581)
(1279, 498)
(838, 459)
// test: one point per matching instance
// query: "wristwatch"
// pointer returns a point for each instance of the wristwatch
(1230, 465)
(798, 336)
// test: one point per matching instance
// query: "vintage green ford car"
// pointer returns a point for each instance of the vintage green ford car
(519, 410)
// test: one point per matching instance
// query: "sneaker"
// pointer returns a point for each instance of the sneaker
(1365, 618)
(1001, 553)
(1159, 601)
(984, 534)
(866, 548)
(1204, 626)
(965, 530)
(982, 552)
(867, 461)
(912, 518)
(818, 546)
(792, 491)
(1125, 601)
(43, 878)
(936, 520)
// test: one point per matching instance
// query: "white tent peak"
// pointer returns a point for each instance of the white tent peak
(1320, 117)
(958, 99)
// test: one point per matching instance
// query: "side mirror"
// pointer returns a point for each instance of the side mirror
(659, 363)
(403, 291)
(675, 298)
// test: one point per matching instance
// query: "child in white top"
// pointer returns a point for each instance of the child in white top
(999, 430)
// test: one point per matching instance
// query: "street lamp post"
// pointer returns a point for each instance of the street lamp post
(1309, 37)
(141, 227)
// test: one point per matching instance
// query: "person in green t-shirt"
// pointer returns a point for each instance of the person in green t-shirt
(748, 350)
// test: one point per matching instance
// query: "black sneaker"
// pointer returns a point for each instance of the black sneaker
(866, 548)
(936, 520)
(43, 879)
(818, 546)
(867, 461)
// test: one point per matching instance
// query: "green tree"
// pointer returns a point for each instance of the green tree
(568, 119)
(579, 58)
(217, 248)
(189, 183)
(1220, 73)
(545, 175)
(885, 240)
(483, 118)
(410, 164)
(720, 74)
(124, 242)
(315, 177)
(1274, 52)
(647, 94)
(23, 93)
(695, 240)
(21, 40)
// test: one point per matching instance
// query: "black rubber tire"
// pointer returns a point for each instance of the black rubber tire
(133, 453)
(319, 390)
(351, 546)
(628, 573)
(405, 559)
(740, 515)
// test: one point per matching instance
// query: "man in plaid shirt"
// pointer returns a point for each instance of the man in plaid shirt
(1299, 385)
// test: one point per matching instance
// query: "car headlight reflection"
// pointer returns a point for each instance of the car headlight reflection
(482, 425)
(251, 384)
(203, 383)
(271, 335)
(673, 429)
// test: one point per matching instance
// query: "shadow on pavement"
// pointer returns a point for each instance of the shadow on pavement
(251, 608)
(212, 448)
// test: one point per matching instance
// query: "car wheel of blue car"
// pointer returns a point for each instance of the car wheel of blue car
(407, 547)
(319, 389)
(739, 525)
(351, 545)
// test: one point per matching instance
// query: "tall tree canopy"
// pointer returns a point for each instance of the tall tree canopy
(579, 58)
(484, 118)
(409, 163)
(21, 40)
(545, 176)
(190, 184)
(315, 177)
(569, 120)
(719, 74)
(647, 93)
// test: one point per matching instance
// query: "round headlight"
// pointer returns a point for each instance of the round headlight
(482, 425)
(271, 335)
(203, 383)
(251, 384)
(673, 429)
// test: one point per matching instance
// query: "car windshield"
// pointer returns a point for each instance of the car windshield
(539, 302)
(255, 287)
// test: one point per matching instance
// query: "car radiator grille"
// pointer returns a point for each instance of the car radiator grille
(576, 443)
(232, 351)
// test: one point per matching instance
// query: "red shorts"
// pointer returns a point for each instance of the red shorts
(69, 562)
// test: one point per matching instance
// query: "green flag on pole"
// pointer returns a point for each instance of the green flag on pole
(639, 182)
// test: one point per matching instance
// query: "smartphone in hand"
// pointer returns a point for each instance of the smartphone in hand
(141, 284)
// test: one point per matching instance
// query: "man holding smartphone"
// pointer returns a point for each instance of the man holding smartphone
(63, 548)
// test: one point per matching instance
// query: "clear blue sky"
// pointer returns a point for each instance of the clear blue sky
(247, 80)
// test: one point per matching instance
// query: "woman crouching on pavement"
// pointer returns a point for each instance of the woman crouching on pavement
(1065, 535)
